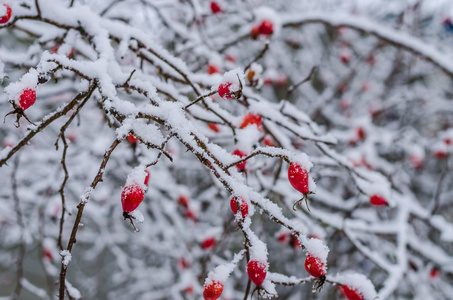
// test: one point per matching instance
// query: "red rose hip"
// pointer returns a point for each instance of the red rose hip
(298, 177)
(224, 90)
(215, 7)
(377, 200)
(243, 205)
(266, 27)
(351, 293)
(212, 291)
(314, 266)
(239, 153)
(250, 119)
(131, 197)
(257, 271)
(27, 98)
(7, 16)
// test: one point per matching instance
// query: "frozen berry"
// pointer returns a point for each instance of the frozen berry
(131, 197)
(27, 98)
(345, 57)
(132, 139)
(257, 271)
(208, 243)
(214, 127)
(213, 69)
(440, 154)
(255, 32)
(239, 153)
(294, 241)
(250, 119)
(361, 134)
(224, 90)
(266, 27)
(244, 207)
(213, 290)
(183, 200)
(298, 177)
(5, 18)
(314, 266)
(215, 7)
(352, 294)
(377, 200)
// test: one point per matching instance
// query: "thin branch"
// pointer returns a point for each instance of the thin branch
(436, 198)
(38, 8)
(20, 221)
(98, 178)
(259, 56)
(295, 86)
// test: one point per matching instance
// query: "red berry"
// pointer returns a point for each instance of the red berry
(189, 290)
(27, 98)
(314, 266)
(434, 273)
(244, 207)
(190, 214)
(212, 69)
(268, 141)
(266, 27)
(184, 264)
(294, 241)
(214, 127)
(147, 177)
(448, 141)
(132, 139)
(378, 200)
(239, 153)
(251, 119)
(283, 238)
(345, 57)
(212, 291)
(131, 197)
(416, 161)
(215, 7)
(48, 255)
(224, 90)
(208, 243)
(183, 200)
(440, 154)
(257, 271)
(361, 134)
(352, 294)
(298, 177)
(5, 18)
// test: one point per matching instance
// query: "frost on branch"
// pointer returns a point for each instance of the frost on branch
(209, 121)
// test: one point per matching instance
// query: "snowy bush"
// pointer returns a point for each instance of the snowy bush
(163, 149)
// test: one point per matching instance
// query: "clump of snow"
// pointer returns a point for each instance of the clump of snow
(222, 272)
(301, 159)
(358, 282)
(248, 137)
(269, 287)
(258, 250)
(317, 248)
(137, 176)
(66, 257)
(28, 81)
(236, 77)
(311, 184)
(2, 68)
(266, 13)
(72, 291)
(375, 184)
(137, 215)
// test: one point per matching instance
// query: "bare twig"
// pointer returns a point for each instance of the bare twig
(295, 86)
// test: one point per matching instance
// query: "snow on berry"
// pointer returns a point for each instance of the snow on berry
(375, 184)
(24, 91)
(132, 139)
(243, 206)
(257, 271)
(231, 83)
(251, 119)
(267, 22)
(5, 13)
(316, 260)
(358, 285)
(213, 285)
(131, 197)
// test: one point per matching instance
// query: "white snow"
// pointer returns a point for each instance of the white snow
(66, 257)
(358, 282)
